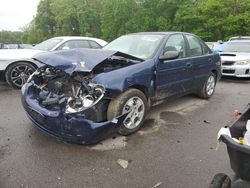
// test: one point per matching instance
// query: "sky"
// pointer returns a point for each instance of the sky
(15, 14)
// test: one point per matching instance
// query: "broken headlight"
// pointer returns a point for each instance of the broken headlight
(81, 102)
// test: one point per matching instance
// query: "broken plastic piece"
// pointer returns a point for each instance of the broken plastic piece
(157, 185)
(114, 120)
(123, 163)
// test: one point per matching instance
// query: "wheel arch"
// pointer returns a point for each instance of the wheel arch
(142, 88)
(116, 107)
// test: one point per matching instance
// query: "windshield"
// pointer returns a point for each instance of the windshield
(236, 47)
(140, 46)
(47, 45)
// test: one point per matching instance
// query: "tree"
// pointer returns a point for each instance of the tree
(10, 37)
(44, 20)
(212, 19)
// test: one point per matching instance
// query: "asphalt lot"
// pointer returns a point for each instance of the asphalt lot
(176, 146)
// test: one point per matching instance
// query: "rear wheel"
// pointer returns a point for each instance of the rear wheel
(208, 87)
(17, 74)
(133, 102)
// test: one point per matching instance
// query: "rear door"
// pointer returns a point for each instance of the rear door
(173, 77)
(201, 58)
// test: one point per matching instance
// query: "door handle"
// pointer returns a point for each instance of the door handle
(188, 65)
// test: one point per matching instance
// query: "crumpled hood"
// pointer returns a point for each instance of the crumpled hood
(82, 60)
(11, 54)
(234, 56)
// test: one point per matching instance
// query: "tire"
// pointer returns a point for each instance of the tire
(134, 102)
(18, 73)
(208, 87)
(220, 181)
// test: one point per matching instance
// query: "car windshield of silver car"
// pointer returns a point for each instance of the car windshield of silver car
(237, 47)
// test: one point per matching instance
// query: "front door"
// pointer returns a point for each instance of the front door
(173, 77)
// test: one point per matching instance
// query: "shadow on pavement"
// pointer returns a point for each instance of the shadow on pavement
(4, 87)
(235, 79)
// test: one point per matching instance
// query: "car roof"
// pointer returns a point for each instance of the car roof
(100, 41)
(240, 37)
(159, 33)
(236, 41)
(72, 37)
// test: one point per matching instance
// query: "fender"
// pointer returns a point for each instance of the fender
(118, 81)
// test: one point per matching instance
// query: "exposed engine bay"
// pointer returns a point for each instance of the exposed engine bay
(55, 87)
(57, 90)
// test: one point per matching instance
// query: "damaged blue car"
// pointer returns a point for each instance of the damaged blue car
(86, 95)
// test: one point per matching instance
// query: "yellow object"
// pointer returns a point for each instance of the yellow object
(241, 141)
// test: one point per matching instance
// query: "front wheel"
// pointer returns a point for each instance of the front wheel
(133, 102)
(17, 74)
(208, 87)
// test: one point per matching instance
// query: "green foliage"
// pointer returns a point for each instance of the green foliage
(31, 34)
(45, 19)
(9, 37)
(212, 19)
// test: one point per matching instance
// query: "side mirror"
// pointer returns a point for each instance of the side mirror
(220, 41)
(169, 55)
(65, 48)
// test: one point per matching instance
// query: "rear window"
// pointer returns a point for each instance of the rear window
(205, 48)
(194, 45)
(94, 44)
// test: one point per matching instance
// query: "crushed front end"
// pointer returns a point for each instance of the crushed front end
(68, 106)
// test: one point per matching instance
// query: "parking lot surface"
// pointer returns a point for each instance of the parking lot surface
(175, 147)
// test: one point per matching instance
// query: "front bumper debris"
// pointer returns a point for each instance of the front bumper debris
(70, 128)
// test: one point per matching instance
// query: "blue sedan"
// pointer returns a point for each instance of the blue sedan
(86, 95)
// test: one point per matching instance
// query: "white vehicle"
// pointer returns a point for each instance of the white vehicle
(240, 38)
(16, 65)
(235, 56)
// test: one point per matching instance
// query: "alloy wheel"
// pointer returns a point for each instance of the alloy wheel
(20, 74)
(136, 110)
(210, 85)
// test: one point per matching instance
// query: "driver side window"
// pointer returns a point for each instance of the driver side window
(176, 43)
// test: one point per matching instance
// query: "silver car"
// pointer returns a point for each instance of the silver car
(16, 65)
(235, 56)
(240, 38)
